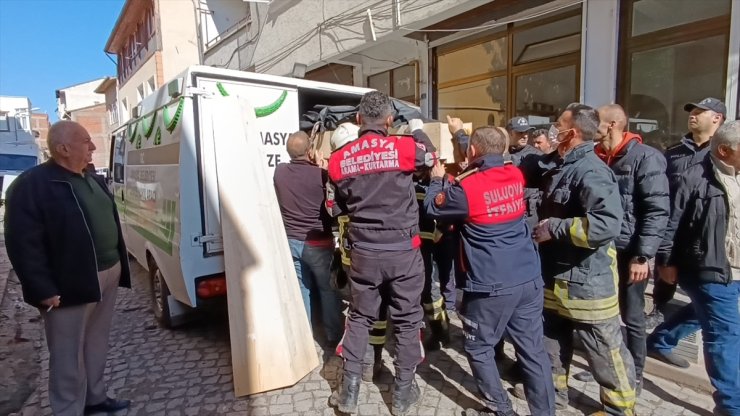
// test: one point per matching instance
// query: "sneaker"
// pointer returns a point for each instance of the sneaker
(584, 376)
(668, 357)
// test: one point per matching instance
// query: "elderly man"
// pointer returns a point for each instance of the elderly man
(701, 251)
(299, 186)
(64, 240)
(581, 215)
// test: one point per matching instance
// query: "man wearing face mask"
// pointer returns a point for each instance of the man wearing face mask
(581, 214)
(503, 288)
(643, 188)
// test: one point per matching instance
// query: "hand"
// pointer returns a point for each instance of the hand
(320, 161)
(52, 302)
(454, 124)
(438, 171)
(668, 274)
(541, 232)
(415, 124)
(638, 271)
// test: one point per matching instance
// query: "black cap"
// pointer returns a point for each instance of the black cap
(519, 124)
(708, 103)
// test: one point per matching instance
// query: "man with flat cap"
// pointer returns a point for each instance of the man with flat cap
(705, 117)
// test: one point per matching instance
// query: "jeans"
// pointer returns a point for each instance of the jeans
(312, 266)
(676, 327)
(716, 307)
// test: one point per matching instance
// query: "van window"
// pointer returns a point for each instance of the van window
(119, 153)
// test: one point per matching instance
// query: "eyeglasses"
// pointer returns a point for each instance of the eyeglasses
(553, 133)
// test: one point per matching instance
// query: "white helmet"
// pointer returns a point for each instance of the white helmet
(345, 133)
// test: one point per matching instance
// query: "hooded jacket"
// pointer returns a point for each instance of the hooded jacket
(643, 190)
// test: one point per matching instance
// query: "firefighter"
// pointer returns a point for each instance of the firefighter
(372, 181)
(432, 300)
(503, 292)
(580, 216)
(373, 361)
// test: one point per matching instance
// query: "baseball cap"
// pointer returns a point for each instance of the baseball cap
(519, 124)
(708, 103)
(345, 133)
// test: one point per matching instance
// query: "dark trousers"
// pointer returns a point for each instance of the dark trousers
(448, 271)
(608, 358)
(432, 300)
(662, 292)
(517, 311)
(632, 309)
(401, 273)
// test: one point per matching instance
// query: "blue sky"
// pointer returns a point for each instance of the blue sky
(50, 44)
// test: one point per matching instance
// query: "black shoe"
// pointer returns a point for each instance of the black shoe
(347, 394)
(440, 335)
(668, 358)
(489, 412)
(584, 376)
(108, 406)
(405, 395)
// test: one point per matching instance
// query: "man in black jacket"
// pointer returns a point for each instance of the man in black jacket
(701, 251)
(643, 190)
(705, 117)
(64, 240)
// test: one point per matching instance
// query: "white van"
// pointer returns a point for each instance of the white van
(163, 172)
(16, 157)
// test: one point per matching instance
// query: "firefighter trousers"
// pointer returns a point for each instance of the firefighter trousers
(518, 312)
(401, 274)
(608, 358)
(432, 300)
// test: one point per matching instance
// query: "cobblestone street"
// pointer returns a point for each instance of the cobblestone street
(188, 372)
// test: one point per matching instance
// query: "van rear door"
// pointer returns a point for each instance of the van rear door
(276, 109)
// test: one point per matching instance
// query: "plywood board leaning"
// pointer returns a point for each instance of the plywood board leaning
(271, 342)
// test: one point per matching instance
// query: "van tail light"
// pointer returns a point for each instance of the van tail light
(211, 287)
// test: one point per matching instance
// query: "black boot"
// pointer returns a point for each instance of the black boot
(489, 412)
(439, 335)
(347, 393)
(405, 395)
(372, 365)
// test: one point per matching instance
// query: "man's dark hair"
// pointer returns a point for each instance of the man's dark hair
(297, 145)
(488, 140)
(585, 119)
(375, 106)
(537, 133)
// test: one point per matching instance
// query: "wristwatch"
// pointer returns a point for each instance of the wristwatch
(641, 259)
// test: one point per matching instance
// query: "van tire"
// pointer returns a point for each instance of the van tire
(159, 294)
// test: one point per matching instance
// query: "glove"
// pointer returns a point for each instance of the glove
(415, 124)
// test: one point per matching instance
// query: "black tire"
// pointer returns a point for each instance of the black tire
(159, 294)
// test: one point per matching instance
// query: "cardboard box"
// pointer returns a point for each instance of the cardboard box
(438, 132)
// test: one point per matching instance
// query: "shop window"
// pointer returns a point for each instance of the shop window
(653, 15)
(530, 69)
(334, 73)
(659, 70)
(401, 83)
(480, 102)
(484, 58)
(542, 96)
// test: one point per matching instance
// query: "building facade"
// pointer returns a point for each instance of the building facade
(486, 61)
(77, 96)
(153, 40)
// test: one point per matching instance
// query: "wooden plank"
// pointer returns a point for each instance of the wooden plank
(271, 342)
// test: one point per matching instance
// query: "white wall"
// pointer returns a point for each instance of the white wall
(79, 96)
(178, 26)
(128, 92)
(218, 16)
(599, 39)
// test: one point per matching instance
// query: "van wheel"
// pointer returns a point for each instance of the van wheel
(159, 294)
